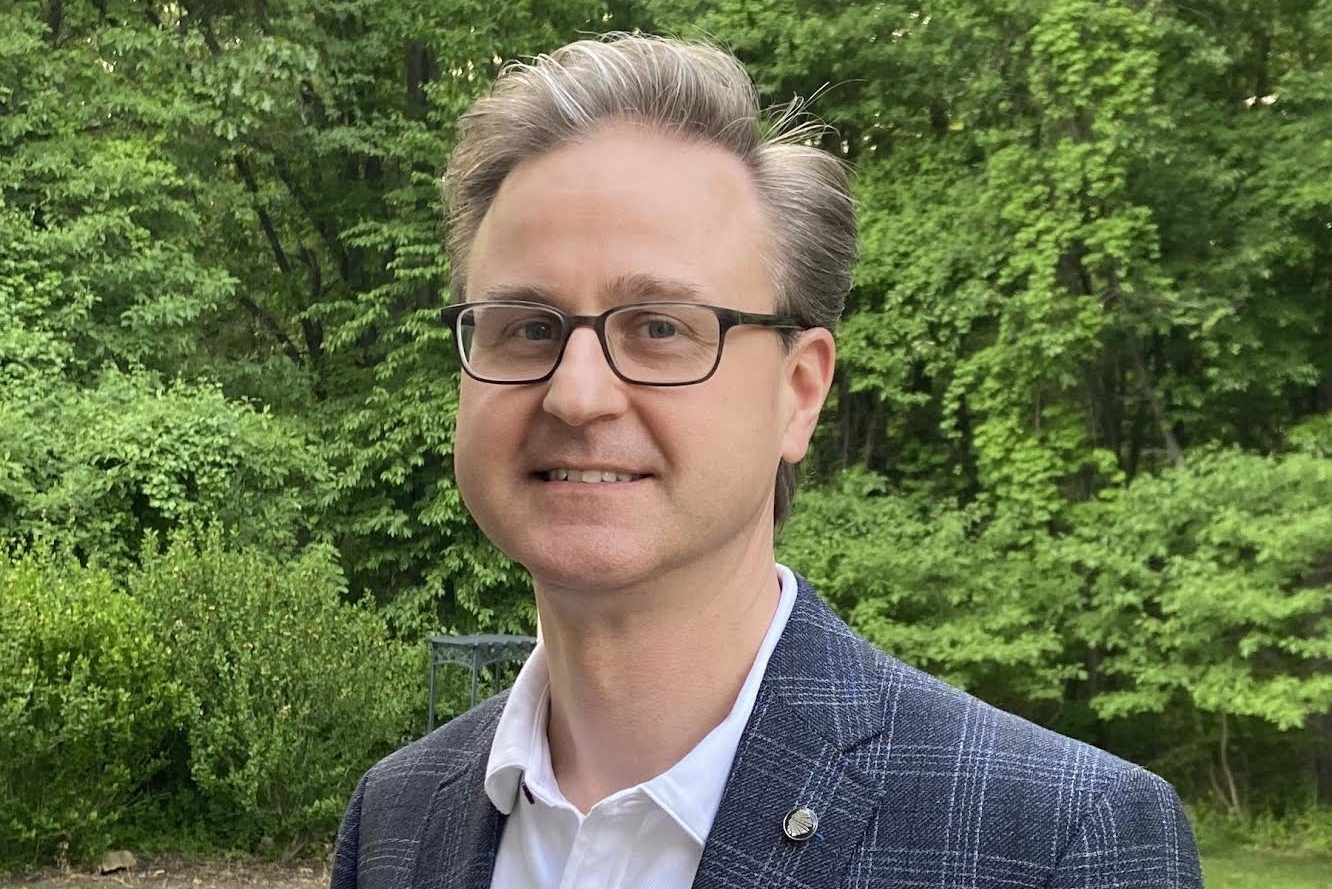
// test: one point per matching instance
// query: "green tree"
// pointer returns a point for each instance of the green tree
(1210, 584)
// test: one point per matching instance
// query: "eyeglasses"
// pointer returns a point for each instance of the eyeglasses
(650, 344)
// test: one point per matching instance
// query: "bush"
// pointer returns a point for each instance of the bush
(950, 590)
(85, 701)
(1306, 831)
(95, 469)
(291, 693)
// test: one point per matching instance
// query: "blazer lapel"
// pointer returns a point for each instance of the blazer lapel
(461, 833)
(808, 714)
(780, 765)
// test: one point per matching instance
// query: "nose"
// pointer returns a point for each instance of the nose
(583, 388)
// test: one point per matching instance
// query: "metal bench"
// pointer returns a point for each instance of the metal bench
(476, 652)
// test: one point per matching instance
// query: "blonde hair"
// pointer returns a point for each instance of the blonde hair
(693, 90)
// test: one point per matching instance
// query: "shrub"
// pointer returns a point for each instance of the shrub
(950, 590)
(97, 468)
(85, 700)
(291, 692)
(1304, 831)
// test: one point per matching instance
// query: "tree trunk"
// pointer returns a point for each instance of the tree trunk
(1225, 786)
(1320, 727)
(55, 20)
(420, 71)
(1146, 381)
(872, 431)
(844, 418)
(1148, 386)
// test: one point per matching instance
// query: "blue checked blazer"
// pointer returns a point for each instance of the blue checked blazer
(915, 783)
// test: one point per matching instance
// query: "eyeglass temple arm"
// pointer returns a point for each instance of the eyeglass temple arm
(735, 317)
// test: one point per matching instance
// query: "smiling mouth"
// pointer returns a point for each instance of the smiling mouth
(589, 476)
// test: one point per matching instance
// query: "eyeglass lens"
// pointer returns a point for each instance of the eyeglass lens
(647, 342)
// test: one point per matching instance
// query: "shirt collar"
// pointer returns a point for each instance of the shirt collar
(689, 791)
(520, 736)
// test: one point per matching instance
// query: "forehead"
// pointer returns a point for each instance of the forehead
(631, 288)
(598, 220)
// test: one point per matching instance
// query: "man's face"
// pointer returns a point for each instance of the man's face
(630, 215)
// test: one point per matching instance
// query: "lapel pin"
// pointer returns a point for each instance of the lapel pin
(800, 824)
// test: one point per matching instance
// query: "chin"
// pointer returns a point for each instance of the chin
(604, 562)
(586, 574)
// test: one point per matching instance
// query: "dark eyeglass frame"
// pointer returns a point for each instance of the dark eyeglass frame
(726, 319)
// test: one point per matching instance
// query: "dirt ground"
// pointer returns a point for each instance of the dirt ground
(171, 872)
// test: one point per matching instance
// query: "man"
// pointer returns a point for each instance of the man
(645, 286)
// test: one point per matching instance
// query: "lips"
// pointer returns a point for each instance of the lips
(592, 476)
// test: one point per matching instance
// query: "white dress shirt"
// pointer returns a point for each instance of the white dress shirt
(649, 836)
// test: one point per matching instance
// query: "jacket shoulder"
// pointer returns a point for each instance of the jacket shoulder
(386, 815)
(971, 795)
(1003, 801)
(457, 743)
(891, 714)
(927, 715)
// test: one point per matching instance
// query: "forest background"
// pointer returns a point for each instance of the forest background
(1078, 458)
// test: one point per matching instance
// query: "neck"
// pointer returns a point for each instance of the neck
(642, 675)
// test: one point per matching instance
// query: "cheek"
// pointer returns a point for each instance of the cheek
(464, 432)
(486, 412)
(750, 402)
(734, 433)
(480, 436)
(467, 409)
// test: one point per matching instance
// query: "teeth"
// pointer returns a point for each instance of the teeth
(589, 476)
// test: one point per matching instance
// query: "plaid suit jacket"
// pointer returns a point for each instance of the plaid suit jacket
(915, 783)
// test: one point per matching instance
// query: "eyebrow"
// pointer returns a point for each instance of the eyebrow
(636, 287)
(532, 293)
(644, 287)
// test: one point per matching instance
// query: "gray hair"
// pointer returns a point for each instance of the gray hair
(694, 90)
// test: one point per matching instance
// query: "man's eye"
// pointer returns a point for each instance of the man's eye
(535, 330)
(660, 328)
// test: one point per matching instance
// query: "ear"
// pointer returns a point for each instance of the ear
(808, 375)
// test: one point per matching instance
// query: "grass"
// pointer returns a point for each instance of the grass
(1240, 868)
(1235, 867)
(1264, 851)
